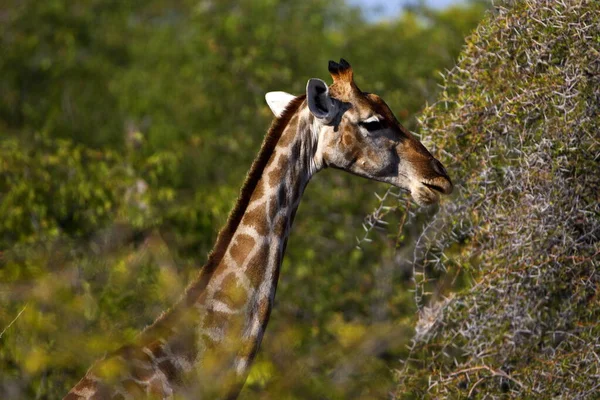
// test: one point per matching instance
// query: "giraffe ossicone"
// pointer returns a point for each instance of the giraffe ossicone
(204, 345)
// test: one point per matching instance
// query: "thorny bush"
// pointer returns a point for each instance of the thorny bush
(517, 124)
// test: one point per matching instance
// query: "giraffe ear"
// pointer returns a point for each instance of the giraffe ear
(278, 101)
(320, 103)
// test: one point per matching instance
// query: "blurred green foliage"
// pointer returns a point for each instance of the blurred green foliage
(127, 129)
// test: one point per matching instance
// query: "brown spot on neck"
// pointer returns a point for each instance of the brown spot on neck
(241, 247)
(257, 265)
(276, 175)
(255, 219)
(288, 134)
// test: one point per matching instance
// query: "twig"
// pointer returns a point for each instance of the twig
(491, 370)
(13, 321)
(475, 385)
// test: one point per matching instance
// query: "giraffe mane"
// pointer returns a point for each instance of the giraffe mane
(197, 287)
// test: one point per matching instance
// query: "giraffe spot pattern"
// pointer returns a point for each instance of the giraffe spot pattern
(255, 269)
(289, 134)
(232, 294)
(134, 388)
(275, 175)
(143, 372)
(168, 368)
(259, 192)
(241, 247)
(253, 219)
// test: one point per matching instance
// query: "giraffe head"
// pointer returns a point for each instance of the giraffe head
(357, 132)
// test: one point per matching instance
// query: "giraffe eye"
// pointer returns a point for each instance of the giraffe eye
(372, 124)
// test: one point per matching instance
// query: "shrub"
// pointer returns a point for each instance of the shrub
(517, 123)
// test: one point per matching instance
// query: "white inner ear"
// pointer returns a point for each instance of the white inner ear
(278, 101)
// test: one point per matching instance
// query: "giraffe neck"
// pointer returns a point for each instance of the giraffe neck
(239, 296)
(204, 346)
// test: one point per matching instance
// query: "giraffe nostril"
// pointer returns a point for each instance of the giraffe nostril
(438, 168)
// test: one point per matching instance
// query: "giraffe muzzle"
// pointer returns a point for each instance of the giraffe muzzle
(429, 190)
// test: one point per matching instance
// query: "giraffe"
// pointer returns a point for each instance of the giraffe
(204, 345)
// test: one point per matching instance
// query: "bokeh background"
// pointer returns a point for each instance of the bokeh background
(126, 130)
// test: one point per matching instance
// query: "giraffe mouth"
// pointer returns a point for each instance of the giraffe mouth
(440, 184)
(430, 191)
(437, 188)
(425, 196)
